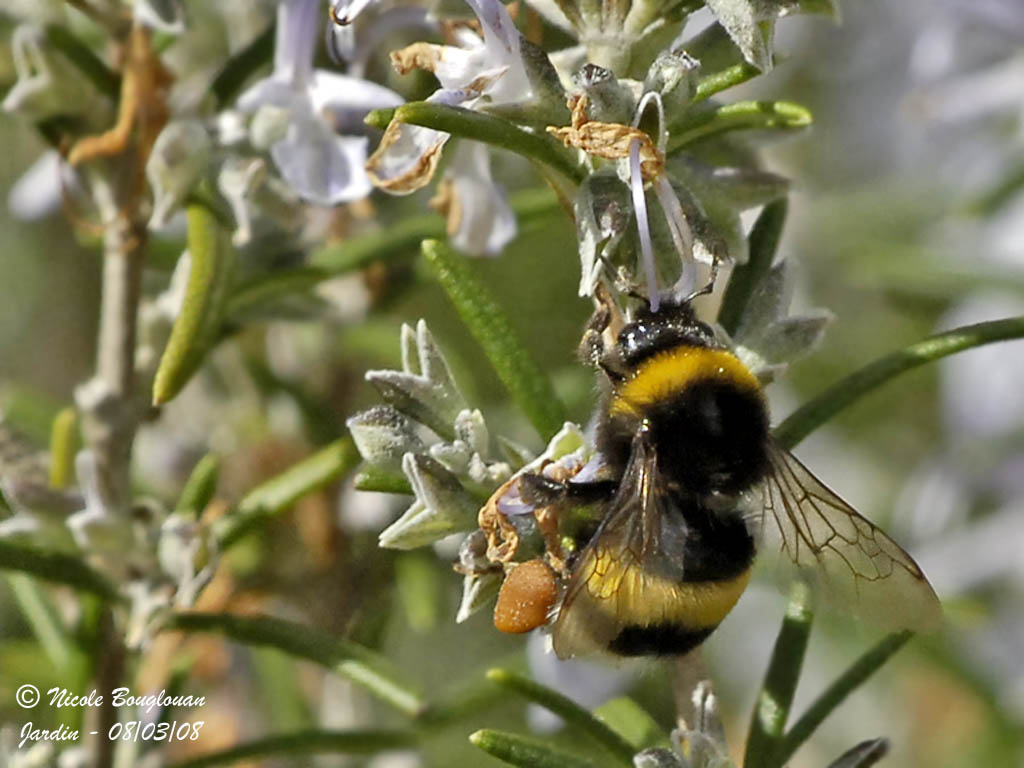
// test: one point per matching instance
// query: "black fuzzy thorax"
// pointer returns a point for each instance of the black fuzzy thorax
(710, 436)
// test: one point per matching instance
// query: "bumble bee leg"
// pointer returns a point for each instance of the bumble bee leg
(538, 490)
(602, 328)
(547, 524)
(550, 497)
(591, 347)
(592, 492)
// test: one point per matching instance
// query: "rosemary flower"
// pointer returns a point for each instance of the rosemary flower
(321, 166)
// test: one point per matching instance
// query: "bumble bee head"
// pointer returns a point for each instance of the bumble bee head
(672, 325)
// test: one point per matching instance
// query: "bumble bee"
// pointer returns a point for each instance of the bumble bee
(692, 485)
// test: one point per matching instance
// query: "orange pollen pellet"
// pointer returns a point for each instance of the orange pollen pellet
(526, 597)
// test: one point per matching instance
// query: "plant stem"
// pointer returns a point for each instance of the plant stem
(486, 128)
(776, 696)
(107, 402)
(56, 567)
(738, 116)
(109, 413)
(574, 715)
(816, 412)
(390, 244)
(277, 494)
(348, 659)
(489, 324)
(686, 673)
(382, 481)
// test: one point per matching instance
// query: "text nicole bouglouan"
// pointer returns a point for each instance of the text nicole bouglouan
(148, 710)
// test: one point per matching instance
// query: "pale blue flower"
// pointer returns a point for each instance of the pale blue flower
(320, 165)
(37, 192)
(487, 70)
(480, 221)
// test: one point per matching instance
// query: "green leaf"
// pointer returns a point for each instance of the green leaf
(78, 53)
(442, 506)
(486, 128)
(738, 116)
(350, 660)
(254, 296)
(709, 85)
(715, 50)
(572, 713)
(198, 324)
(835, 694)
(242, 65)
(843, 393)
(57, 567)
(382, 481)
(742, 20)
(63, 446)
(864, 755)
(274, 496)
(309, 742)
(200, 486)
(489, 325)
(525, 752)
(632, 722)
(393, 242)
(764, 241)
(780, 681)
(42, 615)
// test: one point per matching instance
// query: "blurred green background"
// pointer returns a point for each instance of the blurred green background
(904, 219)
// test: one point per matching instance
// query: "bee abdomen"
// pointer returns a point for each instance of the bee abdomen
(665, 639)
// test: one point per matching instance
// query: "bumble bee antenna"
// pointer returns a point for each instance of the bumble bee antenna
(634, 293)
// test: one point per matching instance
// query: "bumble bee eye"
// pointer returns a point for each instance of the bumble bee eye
(526, 597)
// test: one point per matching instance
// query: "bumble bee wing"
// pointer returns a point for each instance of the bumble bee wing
(608, 578)
(847, 559)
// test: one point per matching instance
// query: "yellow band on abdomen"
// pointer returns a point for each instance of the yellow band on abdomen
(633, 596)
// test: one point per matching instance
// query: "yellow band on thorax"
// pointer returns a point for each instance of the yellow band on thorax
(670, 372)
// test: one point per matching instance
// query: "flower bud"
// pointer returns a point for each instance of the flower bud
(179, 158)
(442, 506)
(383, 436)
(609, 100)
